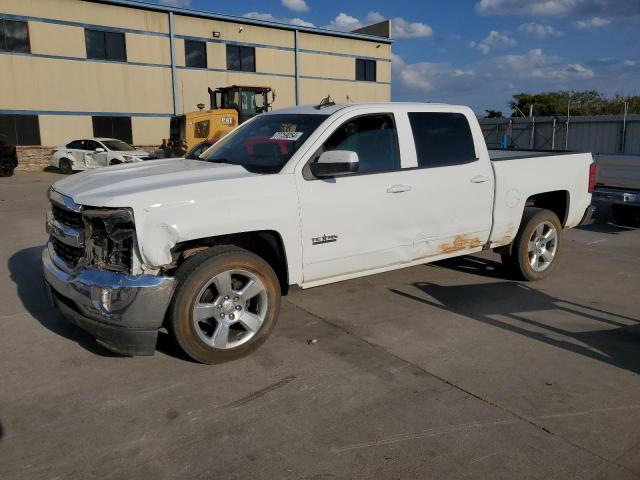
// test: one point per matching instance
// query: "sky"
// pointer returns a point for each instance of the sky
(480, 52)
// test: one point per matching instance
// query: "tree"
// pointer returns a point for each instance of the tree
(588, 102)
(493, 114)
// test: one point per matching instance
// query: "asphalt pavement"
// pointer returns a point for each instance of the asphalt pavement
(449, 370)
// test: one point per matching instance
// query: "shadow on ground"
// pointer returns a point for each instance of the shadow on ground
(25, 269)
(515, 307)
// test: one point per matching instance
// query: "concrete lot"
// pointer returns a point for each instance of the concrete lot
(443, 371)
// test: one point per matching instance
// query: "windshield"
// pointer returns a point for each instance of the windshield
(117, 145)
(267, 143)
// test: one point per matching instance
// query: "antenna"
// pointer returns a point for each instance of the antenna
(325, 102)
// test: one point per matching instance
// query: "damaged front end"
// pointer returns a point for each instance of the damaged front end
(110, 239)
(94, 276)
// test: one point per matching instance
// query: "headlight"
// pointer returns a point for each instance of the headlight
(130, 158)
(110, 238)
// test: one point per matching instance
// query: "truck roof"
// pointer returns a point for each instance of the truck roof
(331, 109)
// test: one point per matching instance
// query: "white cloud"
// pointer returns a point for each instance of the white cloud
(494, 40)
(176, 3)
(595, 22)
(539, 30)
(344, 23)
(296, 5)
(400, 28)
(490, 82)
(559, 7)
(270, 18)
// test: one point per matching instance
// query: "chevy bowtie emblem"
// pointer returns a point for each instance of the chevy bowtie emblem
(324, 239)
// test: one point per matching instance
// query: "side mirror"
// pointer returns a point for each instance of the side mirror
(335, 163)
(99, 150)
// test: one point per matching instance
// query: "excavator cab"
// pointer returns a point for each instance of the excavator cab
(247, 101)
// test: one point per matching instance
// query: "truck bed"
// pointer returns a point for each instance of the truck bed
(508, 154)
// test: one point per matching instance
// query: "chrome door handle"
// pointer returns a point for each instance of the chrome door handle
(398, 188)
(480, 179)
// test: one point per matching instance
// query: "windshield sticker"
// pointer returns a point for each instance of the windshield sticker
(290, 136)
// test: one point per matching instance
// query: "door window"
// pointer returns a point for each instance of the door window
(442, 139)
(373, 137)
(92, 145)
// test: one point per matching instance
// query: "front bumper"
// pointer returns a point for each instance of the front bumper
(123, 312)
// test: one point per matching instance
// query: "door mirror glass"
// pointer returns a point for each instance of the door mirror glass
(99, 150)
(335, 163)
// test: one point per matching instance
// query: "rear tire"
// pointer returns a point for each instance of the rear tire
(225, 305)
(6, 169)
(65, 166)
(536, 248)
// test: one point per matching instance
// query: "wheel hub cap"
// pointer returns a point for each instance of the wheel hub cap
(230, 309)
(543, 245)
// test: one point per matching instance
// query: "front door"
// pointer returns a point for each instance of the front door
(93, 159)
(356, 223)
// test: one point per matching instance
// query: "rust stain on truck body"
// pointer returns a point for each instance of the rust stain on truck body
(461, 242)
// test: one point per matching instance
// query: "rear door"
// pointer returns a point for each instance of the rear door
(75, 153)
(452, 196)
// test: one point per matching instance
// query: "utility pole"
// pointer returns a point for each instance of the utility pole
(566, 137)
(624, 127)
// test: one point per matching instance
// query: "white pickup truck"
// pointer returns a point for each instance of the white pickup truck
(298, 197)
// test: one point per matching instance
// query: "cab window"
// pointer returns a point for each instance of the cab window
(373, 137)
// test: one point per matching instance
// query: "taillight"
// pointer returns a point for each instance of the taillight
(592, 177)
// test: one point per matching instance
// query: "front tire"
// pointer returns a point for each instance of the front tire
(536, 247)
(65, 166)
(225, 305)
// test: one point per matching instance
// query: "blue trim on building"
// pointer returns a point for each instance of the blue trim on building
(247, 21)
(85, 114)
(91, 26)
(348, 55)
(82, 59)
(305, 77)
(231, 42)
(224, 70)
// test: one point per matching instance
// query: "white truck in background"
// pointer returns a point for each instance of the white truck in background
(618, 181)
(298, 197)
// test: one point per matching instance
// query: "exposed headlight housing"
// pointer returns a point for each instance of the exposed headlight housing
(110, 238)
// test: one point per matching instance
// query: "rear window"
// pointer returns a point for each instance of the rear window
(442, 139)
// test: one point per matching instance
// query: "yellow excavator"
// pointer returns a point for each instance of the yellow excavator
(230, 106)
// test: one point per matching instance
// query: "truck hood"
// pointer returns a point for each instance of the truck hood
(143, 183)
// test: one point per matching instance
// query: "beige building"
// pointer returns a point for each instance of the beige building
(83, 68)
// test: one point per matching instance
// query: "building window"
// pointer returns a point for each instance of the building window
(242, 59)
(365, 70)
(103, 45)
(14, 36)
(195, 54)
(113, 127)
(20, 129)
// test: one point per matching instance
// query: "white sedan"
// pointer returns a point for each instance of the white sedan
(95, 152)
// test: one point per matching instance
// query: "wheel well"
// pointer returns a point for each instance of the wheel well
(557, 202)
(267, 244)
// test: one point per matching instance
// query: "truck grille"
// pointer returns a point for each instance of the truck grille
(69, 255)
(68, 217)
